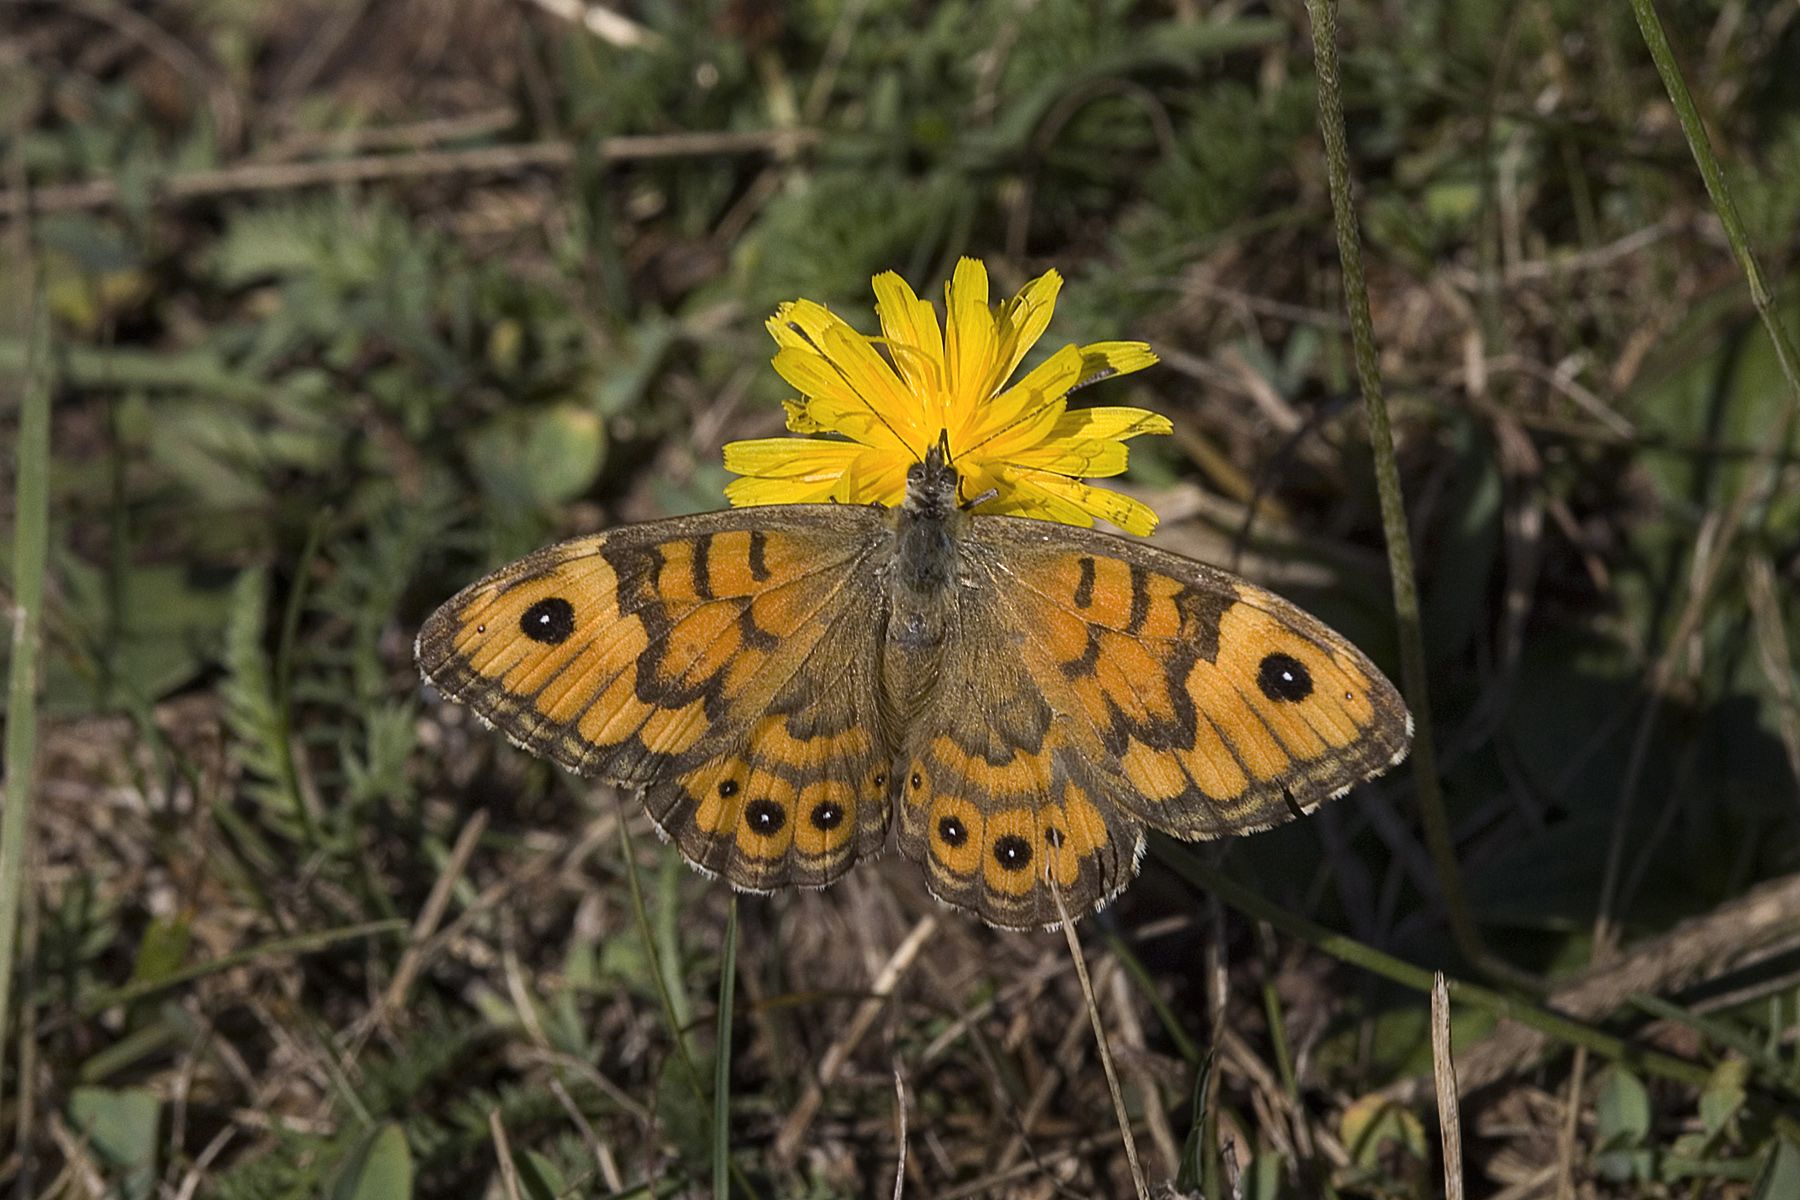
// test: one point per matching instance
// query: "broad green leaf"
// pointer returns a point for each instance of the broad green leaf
(531, 459)
(1780, 1177)
(378, 1167)
(122, 1125)
(1622, 1110)
(1724, 1094)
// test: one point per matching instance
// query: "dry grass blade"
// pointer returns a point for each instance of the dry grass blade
(899, 1130)
(1443, 1074)
(1106, 1060)
(509, 1173)
(484, 160)
(787, 1142)
(429, 918)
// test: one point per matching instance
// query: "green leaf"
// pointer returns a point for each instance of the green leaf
(531, 459)
(539, 1178)
(378, 1167)
(1622, 1110)
(1780, 1174)
(121, 1125)
(1724, 1094)
(163, 949)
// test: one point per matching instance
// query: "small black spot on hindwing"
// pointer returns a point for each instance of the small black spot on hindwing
(952, 832)
(728, 788)
(550, 621)
(765, 817)
(1053, 837)
(827, 815)
(1012, 852)
(1284, 678)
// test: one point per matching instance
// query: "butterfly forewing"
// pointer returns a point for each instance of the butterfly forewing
(710, 659)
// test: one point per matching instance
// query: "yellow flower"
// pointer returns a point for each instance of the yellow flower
(1022, 444)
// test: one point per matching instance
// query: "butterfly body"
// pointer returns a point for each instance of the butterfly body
(1024, 696)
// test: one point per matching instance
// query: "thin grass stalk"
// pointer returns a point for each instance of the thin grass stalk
(1765, 465)
(1140, 974)
(1443, 1075)
(1106, 1061)
(1190, 867)
(31, 549)
(642, 914)
(304, 943)
(721, 1131)
(1393, 514)
(284, 673)
(1692, 128)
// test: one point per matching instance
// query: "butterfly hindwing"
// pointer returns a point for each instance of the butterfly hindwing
(998, 797)
(673, 654)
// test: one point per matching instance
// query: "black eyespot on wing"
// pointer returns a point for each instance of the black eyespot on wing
(1284, 678)
(918, 781)
(1012, 852)
(952, 832)
(1053, 837)
(765, 817)
(728, 788)
(827, 815)
(550, 621)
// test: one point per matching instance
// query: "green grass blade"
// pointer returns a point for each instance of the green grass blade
(31, 547)
(721, 1132)
(1393, 512)
(1185, 863)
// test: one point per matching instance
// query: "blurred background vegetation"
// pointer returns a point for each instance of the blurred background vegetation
(352, 300)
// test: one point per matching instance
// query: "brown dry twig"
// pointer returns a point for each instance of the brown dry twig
(484, 160)
(1693, 951)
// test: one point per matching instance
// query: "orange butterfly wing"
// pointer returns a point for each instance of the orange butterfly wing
(724, 663)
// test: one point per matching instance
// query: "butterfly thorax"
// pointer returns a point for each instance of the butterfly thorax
(927, 525)
(922, 582)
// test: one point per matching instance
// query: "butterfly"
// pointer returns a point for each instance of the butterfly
(782, 682)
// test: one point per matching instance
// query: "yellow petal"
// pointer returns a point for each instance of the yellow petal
(1032, 396)
(1110, 421)
(1025, 318)
(1102, 359)
(797, 419)
(1130, 515)
(876, 477)
(910, 327)
(801, 323)
(969, 343)
(1080, 459)
(789, 458)
(750, 491)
